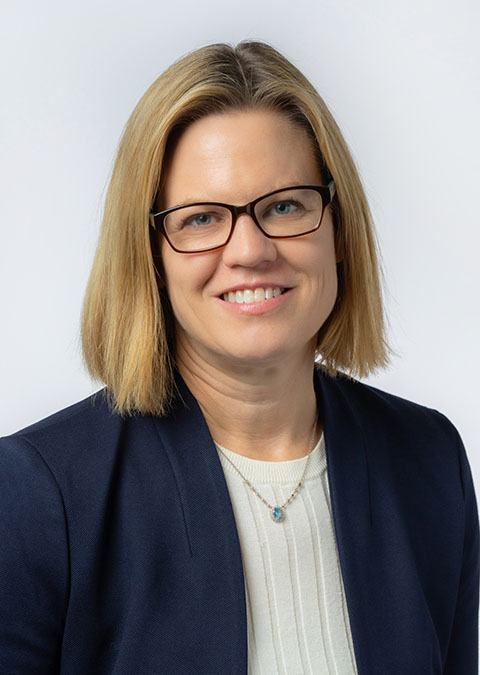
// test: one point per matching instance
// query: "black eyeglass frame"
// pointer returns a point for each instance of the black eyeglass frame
(327, 193)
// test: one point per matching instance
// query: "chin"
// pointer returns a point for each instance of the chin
(257, 354)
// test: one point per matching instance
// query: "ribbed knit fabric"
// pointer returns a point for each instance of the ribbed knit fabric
(296, 610)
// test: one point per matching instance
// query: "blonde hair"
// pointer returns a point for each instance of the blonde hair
(127, 322)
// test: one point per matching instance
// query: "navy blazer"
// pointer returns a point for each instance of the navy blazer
(120, 555)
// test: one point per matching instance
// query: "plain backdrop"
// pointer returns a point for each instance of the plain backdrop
(402, 80)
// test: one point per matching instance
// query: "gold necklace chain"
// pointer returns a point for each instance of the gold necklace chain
(277, 513)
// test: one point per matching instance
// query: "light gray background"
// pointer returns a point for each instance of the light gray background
(401, 78)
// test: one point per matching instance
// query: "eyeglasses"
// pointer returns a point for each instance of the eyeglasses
(281, 214)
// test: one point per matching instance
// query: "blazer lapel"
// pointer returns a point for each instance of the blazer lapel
(213, 541)
(348, 481)
(391, 625)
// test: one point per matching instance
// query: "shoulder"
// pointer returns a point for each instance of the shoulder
(382, 411)
(89, 413)
(402, 439)
(85, 446)
(86, 432)
(411, 453)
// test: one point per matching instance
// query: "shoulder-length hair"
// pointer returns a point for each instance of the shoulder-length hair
(127, 320)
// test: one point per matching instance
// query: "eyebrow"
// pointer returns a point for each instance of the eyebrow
(195, 200)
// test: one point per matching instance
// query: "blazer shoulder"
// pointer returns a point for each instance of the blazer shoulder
(60, 439)
(382, 410)
(94, 406)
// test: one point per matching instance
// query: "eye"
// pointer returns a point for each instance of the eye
(199, 220)
(283, 208)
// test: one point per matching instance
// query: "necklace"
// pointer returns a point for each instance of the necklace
(277, 513)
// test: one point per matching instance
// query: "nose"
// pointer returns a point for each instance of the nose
(248, 246)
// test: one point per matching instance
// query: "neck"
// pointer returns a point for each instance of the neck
(263, 412)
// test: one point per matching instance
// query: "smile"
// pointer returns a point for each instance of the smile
(251, 295)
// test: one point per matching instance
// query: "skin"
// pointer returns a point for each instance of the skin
(251, 373)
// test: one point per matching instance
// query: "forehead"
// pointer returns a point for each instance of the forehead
(236, 156)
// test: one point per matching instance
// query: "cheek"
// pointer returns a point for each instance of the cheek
(318, 260)
(174, 269)
(185, 279)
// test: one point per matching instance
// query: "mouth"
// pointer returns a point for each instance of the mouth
(249, 296)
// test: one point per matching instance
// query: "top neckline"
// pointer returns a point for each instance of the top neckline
(284, 472)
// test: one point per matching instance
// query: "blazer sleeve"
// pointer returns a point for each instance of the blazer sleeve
(462, 655)
(33, 562)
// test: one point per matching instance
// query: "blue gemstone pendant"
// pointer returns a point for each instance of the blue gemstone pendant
(277, 514)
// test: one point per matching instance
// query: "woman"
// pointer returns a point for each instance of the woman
(224, 506)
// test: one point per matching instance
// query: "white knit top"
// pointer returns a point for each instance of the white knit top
(296, 611)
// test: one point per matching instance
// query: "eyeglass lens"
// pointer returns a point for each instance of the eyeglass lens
(203, 226)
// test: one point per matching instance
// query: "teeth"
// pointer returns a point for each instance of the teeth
(249, 296)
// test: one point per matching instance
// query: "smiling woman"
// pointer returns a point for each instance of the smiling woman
(234, 501)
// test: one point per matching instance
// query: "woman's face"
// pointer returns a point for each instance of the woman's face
(234, 158)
